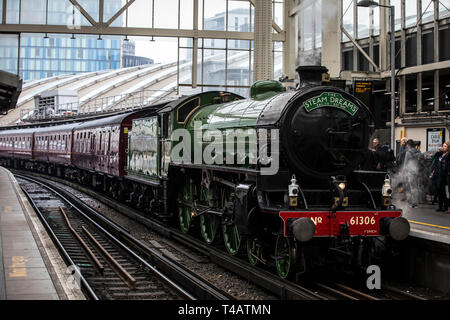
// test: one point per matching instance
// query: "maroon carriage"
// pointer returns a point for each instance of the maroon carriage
(18, 143)
(100, 145)
(54, 144)
(6, 144)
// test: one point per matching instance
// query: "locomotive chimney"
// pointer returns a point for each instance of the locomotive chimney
(310, 75)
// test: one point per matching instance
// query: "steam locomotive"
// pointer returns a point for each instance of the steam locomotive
(277, 174)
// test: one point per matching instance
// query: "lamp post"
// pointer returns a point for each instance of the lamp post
(365, 3)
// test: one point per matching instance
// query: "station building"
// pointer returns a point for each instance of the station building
(362, 35)
(222, 45)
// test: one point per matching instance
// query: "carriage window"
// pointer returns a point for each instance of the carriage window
(108, 148)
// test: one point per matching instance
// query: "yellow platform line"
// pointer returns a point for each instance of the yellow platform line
(430, 225)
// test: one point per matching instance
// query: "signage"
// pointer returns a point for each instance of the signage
(435, 139)
(363, 91)
(363, 86)
(330, 99)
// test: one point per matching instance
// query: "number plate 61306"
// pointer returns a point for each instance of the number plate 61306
(362, 220)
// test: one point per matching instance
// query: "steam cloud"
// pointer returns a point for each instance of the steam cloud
(413, 177)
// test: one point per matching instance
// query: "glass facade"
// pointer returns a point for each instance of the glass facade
(47, 55)
(444, 9)
(226, 64)
(222, 63)
(59, 54)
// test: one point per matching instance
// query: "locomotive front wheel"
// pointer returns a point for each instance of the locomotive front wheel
(231, 237)
(284, 259)
(253, 250)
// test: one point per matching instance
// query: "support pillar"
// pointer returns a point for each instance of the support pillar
(263, 60)
(290, 46)
(384, 31)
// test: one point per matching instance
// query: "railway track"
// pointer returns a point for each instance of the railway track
(398, 294)
(109, 263)
(284, 290)
(339, 290)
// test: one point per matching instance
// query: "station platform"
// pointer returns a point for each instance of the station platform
(30, 266)
(426, 222)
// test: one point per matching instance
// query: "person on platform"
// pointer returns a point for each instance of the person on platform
(374, 156)
(402, 145)
(434, 175)
(382, 155)
(375, 144)
(442, 178)
(401, 152)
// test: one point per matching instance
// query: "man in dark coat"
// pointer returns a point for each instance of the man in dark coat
(434, 174)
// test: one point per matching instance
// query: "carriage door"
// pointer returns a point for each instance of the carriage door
(165, 142)
(108, 150)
